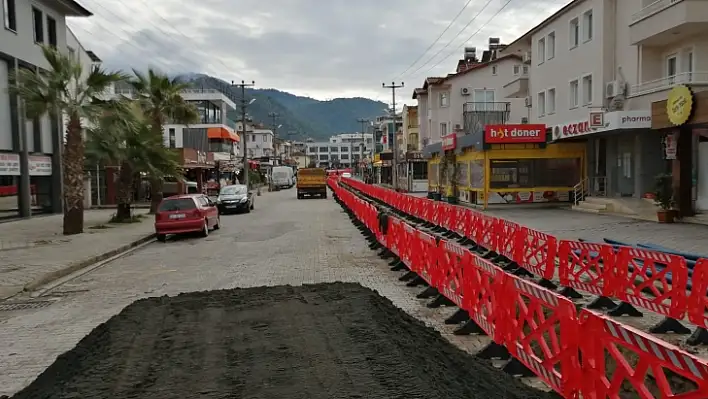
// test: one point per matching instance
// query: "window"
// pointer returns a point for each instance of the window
(573, 94)
(587, 26)
(671, 68)
(517, 69)
(9, 13)
(483, 100)
(494, 69)
(323, 157)
(551, 45)
(443, 130)
(574, 38)
(323, 149)
(52, 31)
(253, 137)
(38, 24)
(333, 149)
(444, 100)
(312, 149)
(551, 101)
(172, 138)
(525, 70)
(587, 90)
(541, 51)
(525, 173)
(345, 156)
(541, 104)
(37, 134)
(344, 149)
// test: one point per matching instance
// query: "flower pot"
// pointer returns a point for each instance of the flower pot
(451, 199)
(437, 196)
(430, 195)
(665, 216)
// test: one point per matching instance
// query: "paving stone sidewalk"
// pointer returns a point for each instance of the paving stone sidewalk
(34, 250)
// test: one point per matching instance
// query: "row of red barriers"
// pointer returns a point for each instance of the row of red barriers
(652, 280)
(539, 328)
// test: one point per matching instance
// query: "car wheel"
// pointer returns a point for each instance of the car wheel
(217, 226)
(161, 237)
(205, 229)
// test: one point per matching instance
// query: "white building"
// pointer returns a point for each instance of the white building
(259, 140)
(344, 149)
(32, 162)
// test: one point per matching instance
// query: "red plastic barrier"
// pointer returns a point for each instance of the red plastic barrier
(409, 237)
(634, 354)
(698, 301)
(486, 234)
(507, 239)
(451, 264)
(537, 252)
(485, 297)
(427, 254)
(637, 272)
(587, 266)
(447, 216)
(461, 218)
(542, 333)
(395, 237)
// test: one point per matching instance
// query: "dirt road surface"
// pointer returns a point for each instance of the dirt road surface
(337, 340)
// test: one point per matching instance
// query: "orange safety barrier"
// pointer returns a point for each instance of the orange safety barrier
(427, 257)
(633, 357)
(542, 333)
(698, 301)
(587, 266)
(507, 239)
(640, 271)
(537, 253)
(408, 238)
(485, 234)
(484, 301)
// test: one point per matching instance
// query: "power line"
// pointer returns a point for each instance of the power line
(437, 39)
(453, 39)
(470, 38)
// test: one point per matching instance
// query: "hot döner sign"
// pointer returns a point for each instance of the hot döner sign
(449, 142)
(515, 134)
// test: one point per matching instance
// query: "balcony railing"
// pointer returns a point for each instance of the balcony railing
(479, 114)
(653, 86)
(653, 8)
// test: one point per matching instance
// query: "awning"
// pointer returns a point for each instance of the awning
(221, 133)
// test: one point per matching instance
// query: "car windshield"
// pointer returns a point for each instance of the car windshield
(177, 204)
(233, 190)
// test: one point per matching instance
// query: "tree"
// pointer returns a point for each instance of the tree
(123, 136)
(161, 100)
(63, 90)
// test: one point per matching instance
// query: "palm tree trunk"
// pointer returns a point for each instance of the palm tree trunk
(156, 193)
(73, 163)
(124, 197)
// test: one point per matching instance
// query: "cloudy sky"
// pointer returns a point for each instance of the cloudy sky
(319, 48)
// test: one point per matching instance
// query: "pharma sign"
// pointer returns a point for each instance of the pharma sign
(514, 134)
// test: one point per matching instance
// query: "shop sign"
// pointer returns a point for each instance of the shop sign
(449, 142)
(573, 129)
(670, 146)
(9, 164)
(40, 165)
(679, 105)
(597, 119)
(511, 134)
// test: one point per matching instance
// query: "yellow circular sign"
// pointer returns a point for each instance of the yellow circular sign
(679, 105)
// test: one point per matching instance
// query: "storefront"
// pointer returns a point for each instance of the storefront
(41, 184)
(682, 122)
(511, 164)
(623, 154)
(416, 173)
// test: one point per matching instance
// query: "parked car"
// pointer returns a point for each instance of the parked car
(235, 198)
(188, 213)
(346, 174)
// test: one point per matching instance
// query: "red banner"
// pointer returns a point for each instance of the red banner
(514, 134)
(449, 142)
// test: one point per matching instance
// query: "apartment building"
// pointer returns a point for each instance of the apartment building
(342, 149)
(30, 165)
(466, 101)
(259, 141)
(411, 132)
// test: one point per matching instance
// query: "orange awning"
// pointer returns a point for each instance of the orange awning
(221, 133)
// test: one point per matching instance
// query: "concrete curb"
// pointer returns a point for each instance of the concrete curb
(75, 266)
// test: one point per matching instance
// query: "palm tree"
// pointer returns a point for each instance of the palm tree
(161, 100)
(123, 136)
(63, 90)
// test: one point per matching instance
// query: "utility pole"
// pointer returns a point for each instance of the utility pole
(244, 136)
(274, 116)
(363, 122)
(393, 86)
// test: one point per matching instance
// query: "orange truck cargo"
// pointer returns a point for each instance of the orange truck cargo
(311, 181)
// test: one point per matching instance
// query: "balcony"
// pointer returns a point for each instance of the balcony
(654, 86)
(668, 21)
(479, 114)
(517, 88)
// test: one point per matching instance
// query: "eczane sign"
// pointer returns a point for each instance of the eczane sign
(515, 134)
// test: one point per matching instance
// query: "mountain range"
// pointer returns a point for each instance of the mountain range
(300, 117)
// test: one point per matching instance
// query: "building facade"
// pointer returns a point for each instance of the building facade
(344, 149)
(30, 150)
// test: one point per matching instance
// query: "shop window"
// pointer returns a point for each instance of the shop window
(529, 173)
(420, 170)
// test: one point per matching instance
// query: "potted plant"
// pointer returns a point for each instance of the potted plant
(664, 198)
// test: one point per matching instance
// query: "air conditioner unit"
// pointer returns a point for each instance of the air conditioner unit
(465, 91)
(527, 57)
(528, 102)
(613, 89)
(524, 120)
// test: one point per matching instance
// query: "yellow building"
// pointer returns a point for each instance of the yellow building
(410, 128)
(498, 172)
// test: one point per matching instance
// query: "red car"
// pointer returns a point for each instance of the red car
(189, 213)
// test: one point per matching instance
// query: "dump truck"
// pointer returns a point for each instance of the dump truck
(311, 182)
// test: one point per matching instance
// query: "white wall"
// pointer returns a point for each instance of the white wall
(5, 124)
